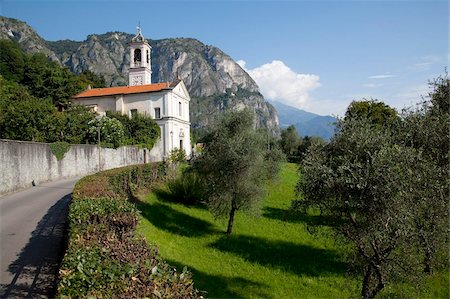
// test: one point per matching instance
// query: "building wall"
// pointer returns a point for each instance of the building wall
(174, 115)
(103, 104)
(21, 162)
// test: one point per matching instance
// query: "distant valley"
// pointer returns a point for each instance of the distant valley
(306, 123)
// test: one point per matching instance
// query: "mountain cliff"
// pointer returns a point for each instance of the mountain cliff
(214, 80)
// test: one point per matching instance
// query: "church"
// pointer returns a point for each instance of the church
(167, 103)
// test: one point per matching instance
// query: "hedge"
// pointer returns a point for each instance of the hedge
(105, 258)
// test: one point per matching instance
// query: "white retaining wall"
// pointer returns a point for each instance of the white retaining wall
(22, 163)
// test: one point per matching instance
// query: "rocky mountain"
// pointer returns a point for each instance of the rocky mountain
(214, 80)
(306, 123)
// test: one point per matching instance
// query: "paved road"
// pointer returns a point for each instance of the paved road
(32, 224)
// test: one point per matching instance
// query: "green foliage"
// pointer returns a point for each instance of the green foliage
(187, 188)
(294, 147)
(272, 163)
(378, 112)
(30, 88)
(76, 126)
(111, 131)
(104, 258)
(306, 143)
(177, 155)
(382, 184)
(426, 130)
(27, 118)
(140, 130)
(12, 61)
(89, 78)
(232, 165)
(289, 141)
(43, 78)
(59, 149)
(144, 131)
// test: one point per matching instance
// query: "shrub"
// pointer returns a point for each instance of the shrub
(105, 259)
(187, 188)
(111, 131)
(177, 155)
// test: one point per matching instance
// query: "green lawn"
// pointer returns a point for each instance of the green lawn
(269, 255)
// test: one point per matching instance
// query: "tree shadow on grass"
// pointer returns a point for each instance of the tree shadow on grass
(293, 216)
(219, 286)
(287, 256)
(166, 196)
(168, 219)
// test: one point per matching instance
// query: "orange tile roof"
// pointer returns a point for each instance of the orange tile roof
(100, 92)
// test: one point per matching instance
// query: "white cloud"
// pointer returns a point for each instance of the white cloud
(372, 85)
(385, 76)
(278, 82)
(425, 63)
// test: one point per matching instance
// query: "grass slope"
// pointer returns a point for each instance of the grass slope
(269, 255)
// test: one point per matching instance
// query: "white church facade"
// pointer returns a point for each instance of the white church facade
(167, 103)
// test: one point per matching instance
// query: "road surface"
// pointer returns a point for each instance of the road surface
(32, 226)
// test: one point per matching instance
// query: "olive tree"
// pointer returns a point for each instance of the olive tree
(382, 184)
(426, 129)
(232, 165)
(360, 182)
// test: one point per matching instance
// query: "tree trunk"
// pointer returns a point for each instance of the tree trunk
(230, 221)
(427, 267)
(366, 283)
(427, 262)
(368, 291)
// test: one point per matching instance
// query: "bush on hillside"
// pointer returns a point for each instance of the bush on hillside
(187, 188)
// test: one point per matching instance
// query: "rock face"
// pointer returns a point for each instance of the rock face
(214, 80)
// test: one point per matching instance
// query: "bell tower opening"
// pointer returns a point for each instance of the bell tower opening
(137, 57)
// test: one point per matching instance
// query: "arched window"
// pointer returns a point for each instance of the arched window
(148, 56)
(137, 55)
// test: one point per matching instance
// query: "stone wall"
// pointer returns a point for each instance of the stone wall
(23, 164)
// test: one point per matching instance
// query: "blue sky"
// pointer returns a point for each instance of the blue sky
(314, 55)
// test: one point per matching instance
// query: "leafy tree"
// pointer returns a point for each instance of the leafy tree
(306, 143)
(346, 181)
(46, 79)
(382, 185)
(12, 61)
(43, 78)
(378, 112)
(426, 129)
(139, 130)
(111, 131)
(232, 165)
(29, 119)
(89, 78)
(76, 126)
(144, 131)
(289, 141)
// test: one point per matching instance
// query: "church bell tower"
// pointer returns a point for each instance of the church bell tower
(140, 71)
